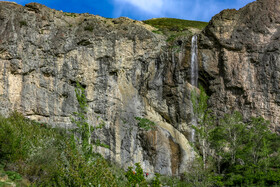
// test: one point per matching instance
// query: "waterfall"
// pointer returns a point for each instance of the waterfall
(194, 80)
(194, 65)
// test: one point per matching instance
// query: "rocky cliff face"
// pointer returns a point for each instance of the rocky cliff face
(239, 53)
(126, 70)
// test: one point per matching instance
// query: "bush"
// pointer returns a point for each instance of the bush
(137, 176)
(145, 123)
(89, 28)
(50, 156)
(156, 182)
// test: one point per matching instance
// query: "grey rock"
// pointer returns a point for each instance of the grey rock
(240, 53)
(126, 69)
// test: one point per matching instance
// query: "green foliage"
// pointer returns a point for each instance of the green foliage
(84, 129)
(240, 154)
(16, 134)
(28, 147)
(145, 123)
(23, 23)
(157, 31)
(75, 170)
(174, 29)
(98, 143)
(50, 156)
(13, 175)
(70, 14)
(205, 123)
(156, 182)
(135, 177)
(88, 28)
(175, 24)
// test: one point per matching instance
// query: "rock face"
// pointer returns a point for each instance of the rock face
(126, 70)
(239, 54)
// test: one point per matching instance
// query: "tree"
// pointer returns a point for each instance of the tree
(233, 131)
(205, 122)
(243, 153)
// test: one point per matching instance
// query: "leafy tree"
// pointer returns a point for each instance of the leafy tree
(232, 129)
(205, 123)
(233, 153)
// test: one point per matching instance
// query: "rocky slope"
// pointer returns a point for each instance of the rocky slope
(239, 53)
(129, 71)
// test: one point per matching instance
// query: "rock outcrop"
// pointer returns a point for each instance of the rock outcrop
(125, 68)
(240, 57)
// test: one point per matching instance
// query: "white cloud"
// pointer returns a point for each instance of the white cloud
(150, 6)
(186, 9)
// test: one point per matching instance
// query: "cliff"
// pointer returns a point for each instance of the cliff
(130, 71)
(127, 71)
(239, 53)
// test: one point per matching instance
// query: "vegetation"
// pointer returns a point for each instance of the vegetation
(11, 178)
(49, 156)
(88, 28)
(137, 176)
(145, 123)
(70, 14)
(230, 153)
(32, 153)
(233, 153)
(23, 23)
(173, 24)
(175, 29)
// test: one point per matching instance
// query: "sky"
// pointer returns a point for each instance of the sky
(200, 10)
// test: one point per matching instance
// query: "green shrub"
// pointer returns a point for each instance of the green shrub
(70, 14)
(88, 28)
(22, 23)
(50, 156)
(13, 175)
(145, 123)
(156, 182)
(135, 177)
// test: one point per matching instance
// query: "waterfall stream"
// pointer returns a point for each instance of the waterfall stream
(194, 80)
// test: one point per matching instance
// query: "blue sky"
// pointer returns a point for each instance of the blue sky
(201, 10)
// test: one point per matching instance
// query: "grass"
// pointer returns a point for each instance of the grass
(173, 24)
(175, 28)
(70, 14)
(11, 178)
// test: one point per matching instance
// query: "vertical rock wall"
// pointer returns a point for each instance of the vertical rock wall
(240, 58)
(126, 70)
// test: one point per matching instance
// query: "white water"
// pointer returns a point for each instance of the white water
(194, 80)
(194, 65)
